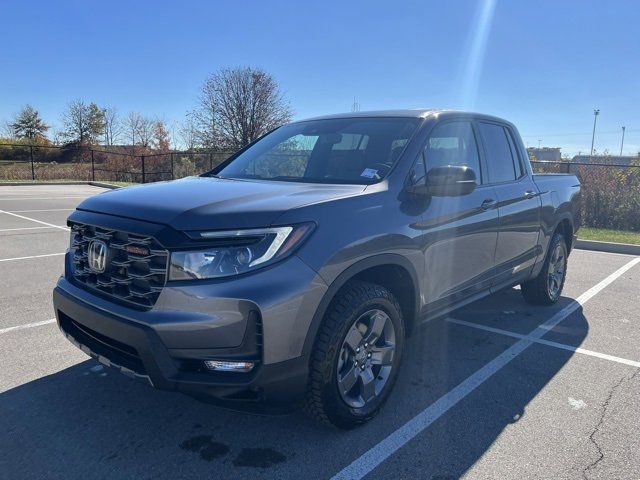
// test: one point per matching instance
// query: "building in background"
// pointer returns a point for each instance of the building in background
(545, 153)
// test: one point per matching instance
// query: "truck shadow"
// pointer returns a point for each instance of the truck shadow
(86, 420)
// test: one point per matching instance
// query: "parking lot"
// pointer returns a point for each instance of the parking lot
(499, 389)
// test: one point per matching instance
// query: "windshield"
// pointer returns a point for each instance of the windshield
(345, 150)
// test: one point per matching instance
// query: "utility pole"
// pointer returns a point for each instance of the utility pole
(355, 107)
(596, 112)
(539, 140)
(622, 142)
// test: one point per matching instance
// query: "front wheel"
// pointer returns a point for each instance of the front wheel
(356, 356)
(546, 288)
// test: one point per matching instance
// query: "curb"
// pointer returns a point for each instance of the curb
(95, 184)
(610, 247)
(104, 185)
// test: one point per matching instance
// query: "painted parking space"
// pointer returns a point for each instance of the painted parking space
(545, 413)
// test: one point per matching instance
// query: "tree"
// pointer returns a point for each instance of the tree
(239, 105)
(189, 132)
(145, 132)
(96, 123)
(132, 126)
(112, 125)
(160, 136)
(28, 124)
(139, 130)
(83, 123)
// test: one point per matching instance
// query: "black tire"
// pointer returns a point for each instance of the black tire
(324, 401)
(538, 291)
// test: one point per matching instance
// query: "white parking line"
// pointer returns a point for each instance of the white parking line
(387, 447)
(34, 220)
(32, 256)
(27, 325)
(549, 343)
(23, 228)
(47, 210)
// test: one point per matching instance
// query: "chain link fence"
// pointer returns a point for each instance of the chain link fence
(39, 162)
(610, 192)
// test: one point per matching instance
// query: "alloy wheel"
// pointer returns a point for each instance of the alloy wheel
(366, 358)
(556, 271)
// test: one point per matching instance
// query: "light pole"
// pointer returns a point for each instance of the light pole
(596, 112)
(622, 142)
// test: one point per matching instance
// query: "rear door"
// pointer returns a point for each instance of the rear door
(518, 202)
(460, 231)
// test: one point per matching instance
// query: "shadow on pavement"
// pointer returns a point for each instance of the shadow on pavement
(86, 420)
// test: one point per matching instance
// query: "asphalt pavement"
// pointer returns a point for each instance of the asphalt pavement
(496, 390)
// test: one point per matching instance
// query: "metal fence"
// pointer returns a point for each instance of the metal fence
(45, 162)
(610, 192)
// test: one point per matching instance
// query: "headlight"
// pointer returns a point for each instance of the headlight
(238, 251)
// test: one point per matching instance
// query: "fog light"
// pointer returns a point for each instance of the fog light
(224, 366)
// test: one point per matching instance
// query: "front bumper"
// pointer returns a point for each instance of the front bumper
(166, 346)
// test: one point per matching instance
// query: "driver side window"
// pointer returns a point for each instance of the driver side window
(452, 143)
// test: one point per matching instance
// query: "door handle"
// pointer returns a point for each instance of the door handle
(488, 204)
(529, 194)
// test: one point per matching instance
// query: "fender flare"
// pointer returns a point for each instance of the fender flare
(348, 274)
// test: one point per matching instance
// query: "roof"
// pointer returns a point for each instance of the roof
(406, 113)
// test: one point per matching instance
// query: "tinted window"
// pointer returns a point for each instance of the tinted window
(515, 154)
(418, 172)
(343, 150)
(453, 143)
(499, 160)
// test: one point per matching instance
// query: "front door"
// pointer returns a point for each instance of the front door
(460, 232)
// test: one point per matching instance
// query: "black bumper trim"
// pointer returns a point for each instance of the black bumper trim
(108, 363)
(272, 384)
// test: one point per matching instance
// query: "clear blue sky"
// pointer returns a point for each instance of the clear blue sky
(544, 65)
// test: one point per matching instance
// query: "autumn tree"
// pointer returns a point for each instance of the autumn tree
(239, 105)
(28, 124)
(160, 136)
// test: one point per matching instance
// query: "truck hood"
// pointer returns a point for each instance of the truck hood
(196, 203)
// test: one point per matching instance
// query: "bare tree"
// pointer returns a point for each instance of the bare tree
(28, 124)
(76, 121)
(83, 123)
(204, 118)
(131, 125)
(112, 126)
(145, 132)
(189, 132)
(5, 129)
(239, 105)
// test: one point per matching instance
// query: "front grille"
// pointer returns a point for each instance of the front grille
(136, 267)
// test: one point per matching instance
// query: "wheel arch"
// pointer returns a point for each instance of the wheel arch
(373, 269)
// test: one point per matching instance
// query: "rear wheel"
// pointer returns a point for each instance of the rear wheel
(356, 356)
(546, 288)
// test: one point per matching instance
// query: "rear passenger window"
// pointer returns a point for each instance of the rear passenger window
(516, 156)
(453, 143)
(500, 162)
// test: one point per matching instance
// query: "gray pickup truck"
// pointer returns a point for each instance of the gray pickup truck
(293, 272)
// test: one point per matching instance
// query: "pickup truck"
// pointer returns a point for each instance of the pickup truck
(292, 273)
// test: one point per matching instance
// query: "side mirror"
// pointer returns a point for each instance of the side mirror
(451, 181)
